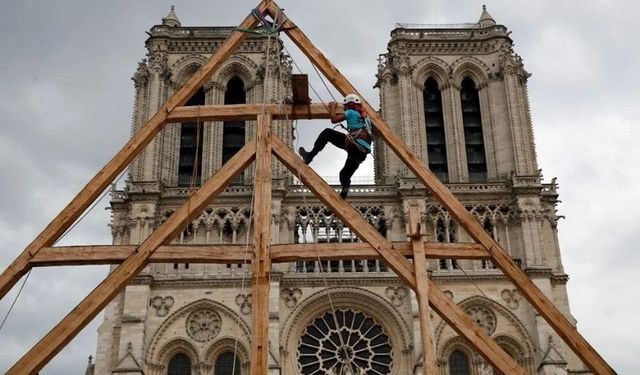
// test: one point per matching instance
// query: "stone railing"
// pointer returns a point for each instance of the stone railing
(450, 31)
(353, 190)
(338, 267)
(475, 187)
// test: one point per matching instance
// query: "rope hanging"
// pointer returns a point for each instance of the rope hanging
(266, 27)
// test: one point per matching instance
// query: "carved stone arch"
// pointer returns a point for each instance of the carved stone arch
(512, 346)
(430, 67)
(232, 344)
(185, 67)
(173, 347)
(499, 310)
(472, 67)
(456, 343)
(351, 298)
(156, 342)
(237, 66)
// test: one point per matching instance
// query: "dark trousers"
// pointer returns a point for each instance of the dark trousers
(354, 155)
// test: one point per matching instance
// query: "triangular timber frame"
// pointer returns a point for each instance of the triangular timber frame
(134, 258)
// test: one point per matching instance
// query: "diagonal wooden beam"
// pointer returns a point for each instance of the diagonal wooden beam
(122, 159)
(88, 308)
(450, 312)
(500, 257)
(225, 254)
(422, 293)
(261, 264)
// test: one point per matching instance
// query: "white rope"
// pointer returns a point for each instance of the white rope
(304, 200)
(24, 282)
(246, 249)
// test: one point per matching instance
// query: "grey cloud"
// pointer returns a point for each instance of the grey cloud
(75, 58)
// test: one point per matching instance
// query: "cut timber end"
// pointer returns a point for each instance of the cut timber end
(300, 89)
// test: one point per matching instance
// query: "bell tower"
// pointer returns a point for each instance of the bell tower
(457, 95)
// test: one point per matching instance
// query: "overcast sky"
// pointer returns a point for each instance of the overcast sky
(66, 99)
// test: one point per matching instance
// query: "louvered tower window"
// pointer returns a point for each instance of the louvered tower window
(233, 133)
(434, 120)
(190, 162)
(474, 141)
(459, 363)
(180, 364)
(225, 364)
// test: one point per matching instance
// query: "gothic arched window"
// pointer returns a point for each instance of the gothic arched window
(227, 364)
(180, 364)
(190, 160)
(459, 363)
(434, 121)
(473, 138)
(233, 132)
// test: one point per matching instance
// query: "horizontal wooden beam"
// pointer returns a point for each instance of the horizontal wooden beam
(226, 254)
(107, 254)
(238, 112)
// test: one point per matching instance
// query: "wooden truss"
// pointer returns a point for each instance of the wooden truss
(132, 259)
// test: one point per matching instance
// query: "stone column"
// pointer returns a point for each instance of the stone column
(488, 130)
(454, 133)
(148, 165)
(385, 160)
(133, 318)
(407, 120)
(520, 122)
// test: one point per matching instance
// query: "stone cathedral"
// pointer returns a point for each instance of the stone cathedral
(457, 95)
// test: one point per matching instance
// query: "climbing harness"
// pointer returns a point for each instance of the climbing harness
(351, 135)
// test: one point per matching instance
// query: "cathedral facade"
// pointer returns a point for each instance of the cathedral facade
(457, 95)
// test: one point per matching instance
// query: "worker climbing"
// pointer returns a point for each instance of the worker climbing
(357, 141)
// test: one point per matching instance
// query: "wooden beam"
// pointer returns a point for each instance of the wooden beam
(230, 112)
(122, 159)
(300, 89)
(61, 334)
(261, 264)
(109, 254)
(422, 292)
(234, 254)
(452, 313)
(500, 257)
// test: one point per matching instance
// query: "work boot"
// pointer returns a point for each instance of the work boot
(344, 192)
(305, 155)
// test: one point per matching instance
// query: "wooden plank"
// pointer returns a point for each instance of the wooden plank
(458, 320)
(110, 254)
(261, 264)
(422, 292)
(121, 160)
(95, 301)
(500, 257)
(300, 89)
(230, 112)
(234, 254)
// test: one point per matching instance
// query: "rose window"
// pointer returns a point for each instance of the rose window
(357, 346)
(483, 318)
(203, 325)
